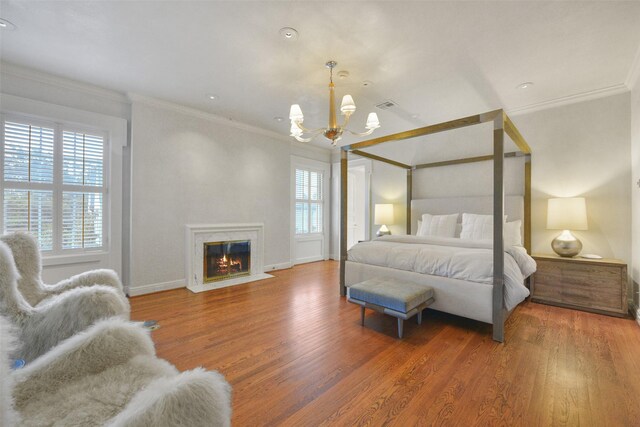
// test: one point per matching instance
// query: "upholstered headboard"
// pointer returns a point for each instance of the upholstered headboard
(513, 207)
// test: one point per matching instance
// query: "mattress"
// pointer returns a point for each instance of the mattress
(469, 261)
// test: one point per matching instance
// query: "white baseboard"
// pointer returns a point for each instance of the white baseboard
(156, 287)
(280, 266)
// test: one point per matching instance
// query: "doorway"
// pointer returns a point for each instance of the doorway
(359, 202)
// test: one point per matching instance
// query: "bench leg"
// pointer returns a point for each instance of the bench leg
(362, 315)
(400, 325)
(420, 317)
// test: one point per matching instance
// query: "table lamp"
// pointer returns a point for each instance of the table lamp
(567, 214)
(383, 215)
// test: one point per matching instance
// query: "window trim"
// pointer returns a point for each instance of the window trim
(57, 186)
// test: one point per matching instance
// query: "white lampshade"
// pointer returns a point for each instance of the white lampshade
(372, 121)
(567, 214)
(347, 106)
(296, 112)
(383, 214)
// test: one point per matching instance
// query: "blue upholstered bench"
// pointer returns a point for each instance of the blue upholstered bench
(391, 296)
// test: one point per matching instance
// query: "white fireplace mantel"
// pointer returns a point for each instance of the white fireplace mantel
(198, 234)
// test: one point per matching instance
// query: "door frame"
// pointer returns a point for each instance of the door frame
(323, 238)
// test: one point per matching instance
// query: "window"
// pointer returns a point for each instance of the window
(309, 201)
(53, 184)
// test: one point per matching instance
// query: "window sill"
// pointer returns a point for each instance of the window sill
(83, 258)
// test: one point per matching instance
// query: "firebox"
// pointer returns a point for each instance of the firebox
(223, 260)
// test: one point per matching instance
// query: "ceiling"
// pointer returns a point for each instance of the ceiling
(436, 60)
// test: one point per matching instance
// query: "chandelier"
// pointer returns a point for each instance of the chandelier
(333, 132)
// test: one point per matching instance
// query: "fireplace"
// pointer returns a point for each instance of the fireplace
(223, 260)
(221, 255)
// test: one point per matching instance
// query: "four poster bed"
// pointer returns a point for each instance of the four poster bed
(478, 279)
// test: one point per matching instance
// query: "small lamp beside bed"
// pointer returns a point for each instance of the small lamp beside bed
(383, 214)
(567, 214)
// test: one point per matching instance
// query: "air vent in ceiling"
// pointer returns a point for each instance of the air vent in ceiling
(386, 105)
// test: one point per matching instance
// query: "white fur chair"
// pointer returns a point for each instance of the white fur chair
(26, 255)
(58, 317)
(109, 375)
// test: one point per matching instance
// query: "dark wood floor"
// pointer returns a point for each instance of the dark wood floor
(295, 354)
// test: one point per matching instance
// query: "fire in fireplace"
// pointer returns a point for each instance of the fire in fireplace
(223, 260)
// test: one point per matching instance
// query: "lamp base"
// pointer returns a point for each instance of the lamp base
(384, 231)
(566, 244)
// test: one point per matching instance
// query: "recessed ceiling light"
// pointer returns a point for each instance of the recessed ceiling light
(212, 97)
(278, 119)
(367, 83)
(524, 85)
(6, 25)
(343, 74)
(288, 33)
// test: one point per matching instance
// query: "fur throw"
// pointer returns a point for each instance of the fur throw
(56, 318)
(26, 256)
(8, 417)
(109, 375)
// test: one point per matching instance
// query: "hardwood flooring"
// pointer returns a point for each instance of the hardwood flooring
(296, 355)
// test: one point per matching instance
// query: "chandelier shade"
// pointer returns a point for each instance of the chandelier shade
(333, 131)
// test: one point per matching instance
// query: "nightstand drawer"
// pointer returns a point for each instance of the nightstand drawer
(578, 275)
(606, 298)
(598, 286)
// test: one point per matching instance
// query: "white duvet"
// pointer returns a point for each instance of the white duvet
(470, 260)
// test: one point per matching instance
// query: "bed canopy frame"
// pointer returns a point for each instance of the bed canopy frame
(501, 125)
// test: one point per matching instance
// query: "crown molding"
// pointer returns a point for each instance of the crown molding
(62, 82)
(634, 72)
(571, 99)
(194, 112)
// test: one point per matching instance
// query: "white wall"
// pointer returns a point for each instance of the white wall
(635, 192)
(583, 149)
(192, 168)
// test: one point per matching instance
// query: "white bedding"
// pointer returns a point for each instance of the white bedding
(470, 260)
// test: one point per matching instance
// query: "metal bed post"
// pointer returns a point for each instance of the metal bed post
(409, 198)
(498, 225)
(343, 218)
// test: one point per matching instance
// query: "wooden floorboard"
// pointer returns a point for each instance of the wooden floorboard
(296, 355)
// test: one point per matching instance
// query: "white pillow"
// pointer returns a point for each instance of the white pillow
(438, 225)
(477, 227)
(480, 227)
(512, 233)
(419, 227)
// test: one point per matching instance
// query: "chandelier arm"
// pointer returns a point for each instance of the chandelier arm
(302, 139)
(367, 133)
(305, 130)
(346, 121)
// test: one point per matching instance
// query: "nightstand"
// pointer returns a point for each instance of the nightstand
(599, 286)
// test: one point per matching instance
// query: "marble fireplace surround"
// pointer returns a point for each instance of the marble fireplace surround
(196, 235)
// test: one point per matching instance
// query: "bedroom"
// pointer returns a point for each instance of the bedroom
(180, 158)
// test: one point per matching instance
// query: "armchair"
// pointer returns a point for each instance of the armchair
(57, 318)
(26, 255)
